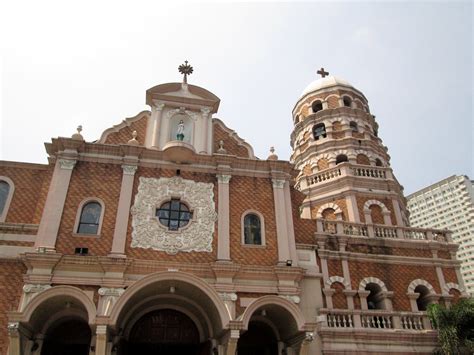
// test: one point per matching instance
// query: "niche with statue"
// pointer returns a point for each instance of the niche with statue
(181, 128)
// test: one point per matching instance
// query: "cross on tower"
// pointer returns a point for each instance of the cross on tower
(322, 72)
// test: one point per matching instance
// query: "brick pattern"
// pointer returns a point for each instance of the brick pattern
(444, 254)
(397, 278)
(307, 170)
(339, 300)
(376, 214)
(238, 308)
(231, 145)
(333, 101)
(335, 267)
(337, 128)
(386, 201)
(43, 193)
(123, 135)
(329, 214)
(340, 202)
(304, 228)
(359, 135)
(11, 283)
(256, 194)
(25, 198)
(450, 275)
(385, 250)
(151, 254)
(362, 159)
(90, 180)
(16, 243)
(323, 163)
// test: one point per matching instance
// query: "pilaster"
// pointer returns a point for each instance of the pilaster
(281, 223)
(156, 113)
(223, 217)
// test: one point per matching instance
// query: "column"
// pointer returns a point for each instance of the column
(398, 214)
(205, 130)
(223, 241)
(123, 211)
(232, 342)
(101, 340)
(156, 112)
(280, 217)
(441, 280)
(289, 224)
(54, 205)
(352, 209)
(14, 346)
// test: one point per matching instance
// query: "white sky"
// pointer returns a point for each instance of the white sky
(90, 62)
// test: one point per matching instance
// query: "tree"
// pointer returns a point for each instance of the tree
(455, 327)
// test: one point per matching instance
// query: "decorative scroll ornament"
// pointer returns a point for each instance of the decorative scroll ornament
(67, 164)
(13, 328)
(148, 232)
(35, 288)
(292, 298)
(228, 296)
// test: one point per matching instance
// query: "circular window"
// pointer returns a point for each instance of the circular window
(174, 214)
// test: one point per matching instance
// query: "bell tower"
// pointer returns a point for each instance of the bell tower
(344, 169)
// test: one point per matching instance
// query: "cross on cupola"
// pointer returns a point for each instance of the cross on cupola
(322, 72)
(186, 70)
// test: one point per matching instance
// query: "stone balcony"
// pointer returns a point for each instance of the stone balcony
(374, 319)
(379, 231)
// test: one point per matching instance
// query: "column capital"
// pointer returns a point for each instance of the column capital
(13, 328)
(228, 296)
(158, 105)
(278, 183)
(109, 291)
(34, 288)
(205, 111)
(101, 329)
(223, 178)
(129, 169)
(67, 164)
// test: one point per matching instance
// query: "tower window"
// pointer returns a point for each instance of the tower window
(375, 298)
(4, 192)
(341, 158)
(378, 162)
(347, 101)
(174, 214)
(319, 131)
(297, 118)
(317, 106)
(252, 229)
(90, 218)
(353, 126)
(422, 301)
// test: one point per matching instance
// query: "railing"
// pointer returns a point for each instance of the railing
(381, 231)
(346, 169)
(375, 319)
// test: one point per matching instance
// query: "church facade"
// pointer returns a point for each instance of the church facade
(168, 236)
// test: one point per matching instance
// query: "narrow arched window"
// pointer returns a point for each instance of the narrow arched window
(353, 126)
(347, 101)
(90, 218)
(319, 131)
(378, 162)
(4, 192)
(423, 300)
(375, 298)
(341, 158)
(317, 106)
(252, 229)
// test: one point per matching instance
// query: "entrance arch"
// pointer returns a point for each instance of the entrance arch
(183, 296)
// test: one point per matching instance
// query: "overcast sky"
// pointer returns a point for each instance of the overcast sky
(90, 62)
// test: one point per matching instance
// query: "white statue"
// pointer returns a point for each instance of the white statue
(180, 131)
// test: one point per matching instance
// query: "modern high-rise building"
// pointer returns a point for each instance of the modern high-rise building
(449, 204)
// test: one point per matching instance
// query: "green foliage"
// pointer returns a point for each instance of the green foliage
(455, 327)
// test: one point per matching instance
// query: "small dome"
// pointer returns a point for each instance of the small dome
(323, 83)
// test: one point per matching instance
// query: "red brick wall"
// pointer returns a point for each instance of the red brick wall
(11, 283)
(90, 180)
(123, 135)
(397, 278)
(335, 267)
(450, 275)
(340, 202)
(255, 194)
(339, 300)
(28, 182)
(386, 201)
(231, 145)
(304, 228)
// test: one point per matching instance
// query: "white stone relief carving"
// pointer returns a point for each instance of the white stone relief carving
(278, 184)
(108, 298)
(292, 298)
(129, 169)
(148, 232)
(67, 164)
(228, 296)
(224, 179)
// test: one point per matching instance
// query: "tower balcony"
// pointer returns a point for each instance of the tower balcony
(344, 170)
(378, 231)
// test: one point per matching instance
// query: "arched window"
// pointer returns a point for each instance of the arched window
(422, 301)
(353, 126)
(378, 162)
(375, 297)
(317, 106)
(297, 119)
(252, 229)
(4, 193)
(90, 218)
(376, 133)
(174, 214)
(319, 131)
(341, 158)
(347, 101)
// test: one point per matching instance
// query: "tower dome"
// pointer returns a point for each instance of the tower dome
(324, 83)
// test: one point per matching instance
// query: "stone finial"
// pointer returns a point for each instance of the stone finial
(134, 141)
(272, 155)
(78, 136)
(221, 149)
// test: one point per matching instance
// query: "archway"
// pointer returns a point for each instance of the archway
(68, 336)
(165, 331)
(259, 339)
